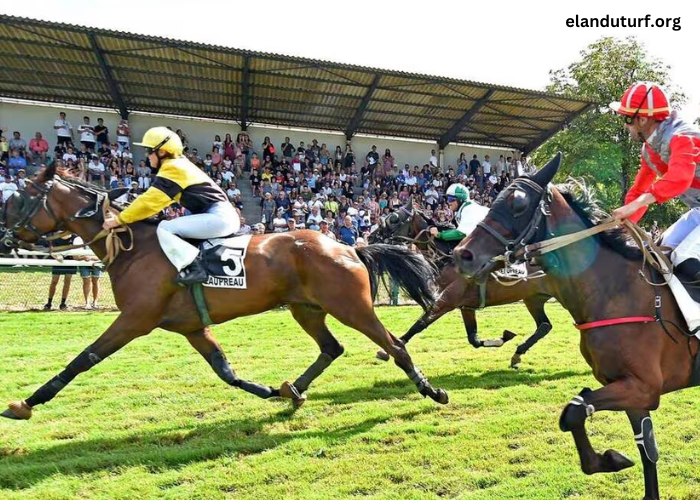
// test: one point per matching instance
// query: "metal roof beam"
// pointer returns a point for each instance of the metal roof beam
(357, 118)
(245, 93)
(455, 129)
(44, 44)
(111, 82)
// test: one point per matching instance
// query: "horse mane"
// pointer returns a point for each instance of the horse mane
(583, 202)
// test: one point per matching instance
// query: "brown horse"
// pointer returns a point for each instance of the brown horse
(304, 270)
(636, 358)
(410, 224)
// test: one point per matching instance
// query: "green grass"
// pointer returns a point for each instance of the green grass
(154, 421)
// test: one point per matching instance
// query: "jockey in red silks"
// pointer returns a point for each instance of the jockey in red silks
(670, 167)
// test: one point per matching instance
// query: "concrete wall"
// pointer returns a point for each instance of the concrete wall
(31, 118)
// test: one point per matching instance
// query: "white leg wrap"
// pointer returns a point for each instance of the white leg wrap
(689, 248)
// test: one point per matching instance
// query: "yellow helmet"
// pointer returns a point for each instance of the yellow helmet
(161, 139)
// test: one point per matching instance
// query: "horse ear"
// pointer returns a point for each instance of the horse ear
(47, 173)
(545, 176)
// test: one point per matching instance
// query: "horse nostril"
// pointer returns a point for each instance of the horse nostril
(467, 256)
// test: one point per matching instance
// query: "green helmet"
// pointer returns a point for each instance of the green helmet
(459, 191)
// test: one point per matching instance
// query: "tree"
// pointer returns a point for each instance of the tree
(596, 145)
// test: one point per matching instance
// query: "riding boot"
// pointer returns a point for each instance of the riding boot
(689, 271)
(194, 273)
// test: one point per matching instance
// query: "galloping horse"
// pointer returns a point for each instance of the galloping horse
(410, 224)
(636, 358)
(304, 270)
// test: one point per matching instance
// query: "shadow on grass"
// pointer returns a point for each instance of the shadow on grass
(492, 380)
(163, 450)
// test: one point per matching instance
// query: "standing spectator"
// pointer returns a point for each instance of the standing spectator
(123, 134)
(91, 281)
(372, 160)
(349, 156)
(462, 164)
(347, 233)
(143, 175)
(216, 143)
(474, 166)
(287, 149)
(255, 181)
(7, 188)
(101, 133)
(19, 144)
(38, 147)
(64, 130)
(56, 272)
(387, 163)
(87, 134)
(433, 160)
(486, 165)
(268, 210)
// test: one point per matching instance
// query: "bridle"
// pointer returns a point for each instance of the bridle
(30, 205)
(514, 249)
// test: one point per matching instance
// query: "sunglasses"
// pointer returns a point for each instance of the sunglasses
(629, 120)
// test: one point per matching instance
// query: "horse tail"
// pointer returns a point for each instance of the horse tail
(410, 270)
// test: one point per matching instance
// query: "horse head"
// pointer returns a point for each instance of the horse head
(516, 219)
(397, 224)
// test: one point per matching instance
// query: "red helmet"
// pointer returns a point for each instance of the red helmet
(643, 99)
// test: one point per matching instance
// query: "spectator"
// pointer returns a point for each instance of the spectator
(56, 272)
(325, 230)
(372, 160)
(87, 134)
(7, 188)
(269, 206)
(102, 133)
(433, 160)
(245, 228)
(64, 130)
(38, 147)
(19, 144)
(16, 162)
(474, 165)
(96, 171)
(143, 175)
(279, 223)
(123, 134)
(347, 233)
(288, 150)
(314, 220)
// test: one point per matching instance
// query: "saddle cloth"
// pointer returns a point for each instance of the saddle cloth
(224, 260)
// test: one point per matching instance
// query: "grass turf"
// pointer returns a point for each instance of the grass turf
(153, 421)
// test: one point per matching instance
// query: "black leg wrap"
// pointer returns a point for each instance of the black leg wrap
(473, 338)
(647, 442)
(539, 334)
(576, 412)
(418, 327)
(82, 363)
(261, 391)
(221, 367)
(312, 372)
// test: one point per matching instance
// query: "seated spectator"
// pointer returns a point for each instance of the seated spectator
(96, 171)
(245, 228)
(325, 230)
(279, 223)
(347, 233)
(7, 188)
(314, 220)
(16, 162)
(38, 148)
(143, 175)
(19, 144)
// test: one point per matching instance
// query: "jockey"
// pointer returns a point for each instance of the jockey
(669, 169)
(467, 214)
(179, 180)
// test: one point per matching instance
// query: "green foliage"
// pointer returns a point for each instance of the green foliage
(154, 422)
(596, 145)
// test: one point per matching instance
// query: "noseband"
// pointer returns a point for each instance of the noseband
(30, 206)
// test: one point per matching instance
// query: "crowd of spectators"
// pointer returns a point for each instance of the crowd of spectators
(334, 190)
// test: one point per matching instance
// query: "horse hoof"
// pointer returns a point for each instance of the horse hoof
(508, 335)
(289, 391)
(382, 355)
(615, 461)
(441, 397)
(515, 361)
(17, 410)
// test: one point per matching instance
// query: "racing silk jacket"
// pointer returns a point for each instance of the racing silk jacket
(468, 216)
(177, 180)
(670, 165)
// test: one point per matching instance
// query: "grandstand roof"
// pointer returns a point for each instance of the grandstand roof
(63, 63)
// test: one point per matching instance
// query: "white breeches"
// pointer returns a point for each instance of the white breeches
(220, 220)
(684, 237)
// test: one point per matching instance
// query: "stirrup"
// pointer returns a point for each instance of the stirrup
(192, 274)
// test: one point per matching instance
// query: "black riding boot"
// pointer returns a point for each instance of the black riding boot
(194, 273)
(689, 271)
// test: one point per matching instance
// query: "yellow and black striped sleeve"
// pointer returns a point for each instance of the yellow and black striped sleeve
(147, 204)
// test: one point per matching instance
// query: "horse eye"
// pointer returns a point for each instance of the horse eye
(520, 202)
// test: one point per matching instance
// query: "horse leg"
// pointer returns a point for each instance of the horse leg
(359, 314)
(628, 394)
(535, 306)
(429, 317)
(120, 333)
(470, 324)
(313, 320)
(646, 442)
(205, 344)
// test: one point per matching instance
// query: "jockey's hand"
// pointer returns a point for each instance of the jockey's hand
(434, 231)
(625, 212)
(110, 222)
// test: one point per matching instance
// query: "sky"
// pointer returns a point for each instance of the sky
(506, 42)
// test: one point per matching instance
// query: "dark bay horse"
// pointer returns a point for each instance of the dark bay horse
(456, 292)
(304, 270)
(629, 332)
